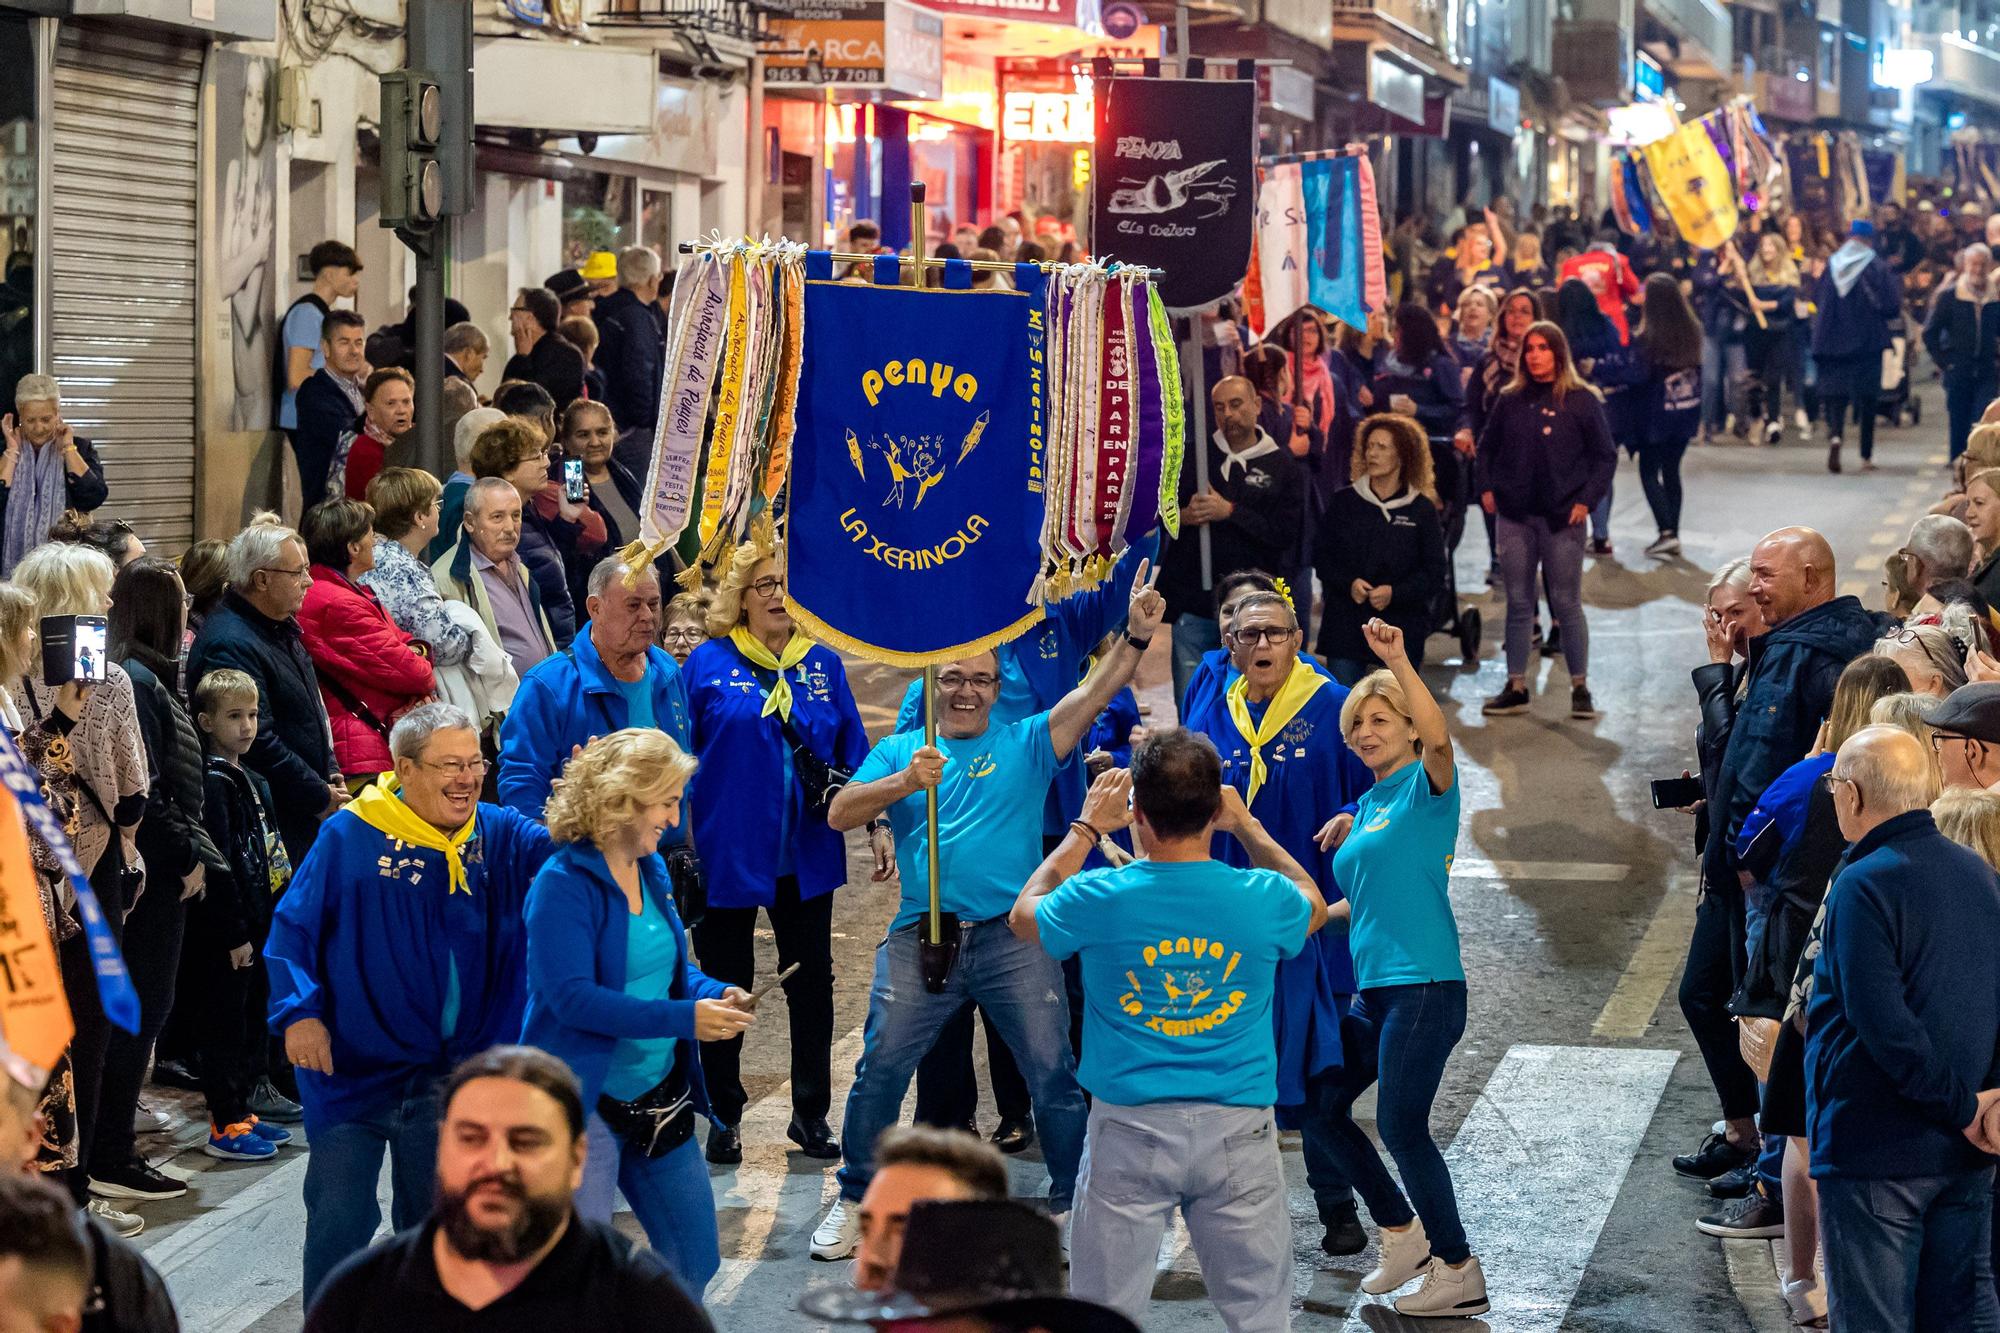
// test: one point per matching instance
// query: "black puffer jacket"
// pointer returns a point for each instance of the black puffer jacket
(294, 747)
(171, 838)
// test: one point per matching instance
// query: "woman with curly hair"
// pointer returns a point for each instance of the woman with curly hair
(1380, 549)
(772, 719)
(613, 993)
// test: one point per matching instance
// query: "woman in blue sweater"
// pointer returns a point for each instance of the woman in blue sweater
(612, 992)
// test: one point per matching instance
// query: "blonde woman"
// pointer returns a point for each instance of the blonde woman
(112, 782)
(775, 726)
(1410, 1012)
(1971, 818)
(613, 993)
(1772, 348)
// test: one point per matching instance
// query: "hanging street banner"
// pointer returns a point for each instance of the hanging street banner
(1176, 184)
(913, 532)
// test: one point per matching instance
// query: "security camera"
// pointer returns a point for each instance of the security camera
(587, 142)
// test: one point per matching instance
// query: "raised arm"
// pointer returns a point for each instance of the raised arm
(1070, 719)
(1439, 765)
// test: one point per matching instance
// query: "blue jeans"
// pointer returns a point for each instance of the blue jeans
(1964, 400)
(1016, 985)
(1193, 636)
(1721, 360)
(670, 1196)
(1908, 1255)
(1524, 549)
(1403, 1035)
(341, 1171)
(1600, 517)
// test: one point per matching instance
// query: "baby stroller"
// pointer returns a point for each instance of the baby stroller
(1453, 473)
(1897, 405)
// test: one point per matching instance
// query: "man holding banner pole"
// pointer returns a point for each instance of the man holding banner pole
(990, 781)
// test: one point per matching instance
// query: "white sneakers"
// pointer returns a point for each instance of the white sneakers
(1447, 1293)
(116, 1220)
(1404, 1254)
(1806, 1299)
(839, 1232)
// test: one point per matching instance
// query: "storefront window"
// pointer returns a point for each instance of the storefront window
(18, 199)
(598, 214)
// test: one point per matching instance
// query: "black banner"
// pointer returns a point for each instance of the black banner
(1176, 185)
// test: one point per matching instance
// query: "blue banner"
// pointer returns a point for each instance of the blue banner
(114, 983)
(1336, 271)
(914, 521)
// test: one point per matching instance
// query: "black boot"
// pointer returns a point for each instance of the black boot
(1343, 1230)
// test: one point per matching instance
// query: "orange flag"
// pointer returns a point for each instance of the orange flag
(34, 1012)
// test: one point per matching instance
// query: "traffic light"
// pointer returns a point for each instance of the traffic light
(413, 126)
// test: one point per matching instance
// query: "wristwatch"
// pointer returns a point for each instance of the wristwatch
(1141, 644)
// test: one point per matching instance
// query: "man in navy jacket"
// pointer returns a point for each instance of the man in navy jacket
(1902, 1039)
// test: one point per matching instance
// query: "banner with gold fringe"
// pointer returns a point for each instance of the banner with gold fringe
(914, 509)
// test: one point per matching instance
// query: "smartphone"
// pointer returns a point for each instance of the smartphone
(72, 649)
(1676, 793)
(573, 480)
(772, 985)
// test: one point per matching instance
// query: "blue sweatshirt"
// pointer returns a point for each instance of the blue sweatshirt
(1904, 1024)
(577, 1005)
(408, 977)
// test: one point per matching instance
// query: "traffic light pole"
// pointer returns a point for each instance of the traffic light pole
(432, 453)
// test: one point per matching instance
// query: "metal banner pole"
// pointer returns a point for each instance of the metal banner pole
(934, 976)
(1197, 401)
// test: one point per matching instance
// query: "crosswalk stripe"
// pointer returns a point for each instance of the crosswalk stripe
(1472, 867)
(1629, 1011)
(1538, 1165)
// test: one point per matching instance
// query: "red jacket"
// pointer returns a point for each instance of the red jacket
(1611, 280)
(361, 658)
(365, 457)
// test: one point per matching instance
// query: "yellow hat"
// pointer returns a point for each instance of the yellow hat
(602, 266)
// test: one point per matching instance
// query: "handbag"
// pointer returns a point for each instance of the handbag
(131, 878)
(690, 885)
(657, 1122)
(819, 782)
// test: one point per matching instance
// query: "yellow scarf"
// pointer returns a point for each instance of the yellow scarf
(381, 809)
(779, 700)
(1291, 697)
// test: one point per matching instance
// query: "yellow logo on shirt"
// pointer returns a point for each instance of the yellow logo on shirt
(1181, 980)
(980, 767)
(1376, 822)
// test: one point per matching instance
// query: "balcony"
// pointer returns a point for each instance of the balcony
(1701, 29)
(1593, 58)
(1417, 26)
(1963, 68)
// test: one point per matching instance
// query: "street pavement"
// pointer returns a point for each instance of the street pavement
(1575, 1081)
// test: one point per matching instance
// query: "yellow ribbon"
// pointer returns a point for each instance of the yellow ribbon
(383, 810)
(721, 442)
(1298, 688)
(779, 700)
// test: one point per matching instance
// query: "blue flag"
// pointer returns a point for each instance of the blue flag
(913, 533)
(1332, 190)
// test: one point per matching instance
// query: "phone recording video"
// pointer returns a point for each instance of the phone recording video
(573, 480)
(73, 648)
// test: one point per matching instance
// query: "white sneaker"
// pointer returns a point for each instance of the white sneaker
(839, 1232)
(1665, 544)
(1807, 1301)
(1447, 1293)
(1062, 1225)
(123, 1224)
(1403, 1255)
(150, 1119)
(1804, 423)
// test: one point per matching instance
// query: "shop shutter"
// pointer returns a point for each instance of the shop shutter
(122, 332)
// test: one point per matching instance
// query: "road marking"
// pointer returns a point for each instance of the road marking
(1629, 1011)
(1537, 1169)
(1753, 1275)
(1595, 872)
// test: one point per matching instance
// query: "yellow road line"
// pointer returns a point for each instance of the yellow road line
(1629, 1011)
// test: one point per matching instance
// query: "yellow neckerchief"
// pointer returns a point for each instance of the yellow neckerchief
(779, 700)
(1291, 697)
(382, 809)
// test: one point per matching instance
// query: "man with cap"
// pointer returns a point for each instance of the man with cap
(972, 1266)
(573, 290)
(1965, 734)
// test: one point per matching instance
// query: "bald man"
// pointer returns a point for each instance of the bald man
(1792, 668)
(1254, 512)
(1902, 1056)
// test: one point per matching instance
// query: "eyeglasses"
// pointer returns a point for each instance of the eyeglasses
(302, 572)
(768, 587)
(1833, 781)
(686, 634)
(1938, 738)
(953, 680)
(517, 310)
(459, 768)
(1258, 635)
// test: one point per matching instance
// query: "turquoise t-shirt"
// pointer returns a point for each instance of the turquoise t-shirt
(1395, 867)
(1180, 962)
(989, 817)
(638, 701)
(639, 1064)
